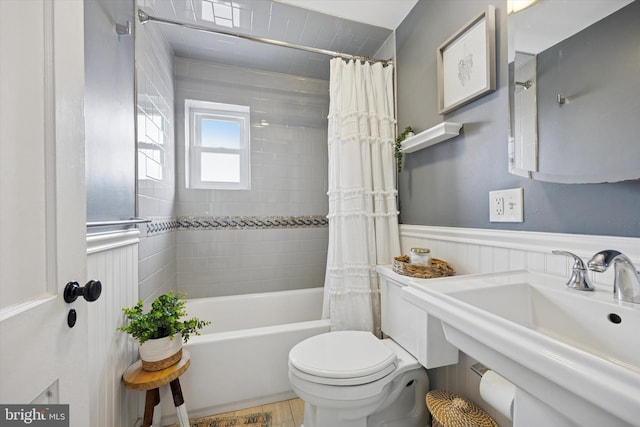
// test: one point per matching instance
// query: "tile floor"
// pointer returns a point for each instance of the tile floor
(288, 413)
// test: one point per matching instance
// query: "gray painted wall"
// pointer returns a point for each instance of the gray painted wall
(448, 184)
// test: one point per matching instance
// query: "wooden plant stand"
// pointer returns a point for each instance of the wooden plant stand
(135, 378)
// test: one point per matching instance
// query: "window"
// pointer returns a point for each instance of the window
(221, 13)
(217, 143)
(151, 138)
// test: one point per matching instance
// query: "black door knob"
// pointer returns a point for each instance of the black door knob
(90, 292)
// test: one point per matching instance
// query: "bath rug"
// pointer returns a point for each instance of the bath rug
(259, 419)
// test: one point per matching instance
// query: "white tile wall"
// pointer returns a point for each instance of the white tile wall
(230, 262)
(156, 176)
(288, 157)
(289, 178)
(484, 251)
(273, 20)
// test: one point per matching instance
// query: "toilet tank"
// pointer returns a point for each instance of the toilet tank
(415, 330)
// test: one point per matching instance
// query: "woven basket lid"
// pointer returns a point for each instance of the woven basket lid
(453, 410)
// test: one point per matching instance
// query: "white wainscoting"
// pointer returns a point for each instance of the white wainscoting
(112, 258)
(485, 251)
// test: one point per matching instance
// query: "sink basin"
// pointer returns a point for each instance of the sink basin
(578, 352)
(586, 322)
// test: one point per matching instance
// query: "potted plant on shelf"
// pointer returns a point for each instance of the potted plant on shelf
(161, 331)
(407, 132)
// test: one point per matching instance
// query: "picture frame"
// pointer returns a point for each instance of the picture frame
(467, 63)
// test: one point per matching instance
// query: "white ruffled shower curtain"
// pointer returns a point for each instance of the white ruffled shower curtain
(363, 217)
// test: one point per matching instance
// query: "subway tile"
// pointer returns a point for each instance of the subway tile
(282, 185)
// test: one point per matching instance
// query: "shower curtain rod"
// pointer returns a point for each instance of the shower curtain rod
(145, 17)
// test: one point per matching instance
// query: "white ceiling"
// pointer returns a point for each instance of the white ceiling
(382, 13)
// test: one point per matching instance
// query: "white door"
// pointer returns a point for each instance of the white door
(42, 205)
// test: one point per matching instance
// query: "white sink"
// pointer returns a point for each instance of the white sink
(578, 352)
(602, 328)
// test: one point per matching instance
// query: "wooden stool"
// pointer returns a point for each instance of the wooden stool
(135, 378)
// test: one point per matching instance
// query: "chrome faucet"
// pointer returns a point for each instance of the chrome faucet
(579, 279)
(626, 282)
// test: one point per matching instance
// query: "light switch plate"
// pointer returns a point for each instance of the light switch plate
(506, 205)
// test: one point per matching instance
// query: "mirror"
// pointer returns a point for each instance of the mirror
(574, 91)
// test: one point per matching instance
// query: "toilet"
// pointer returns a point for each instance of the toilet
(353, 379)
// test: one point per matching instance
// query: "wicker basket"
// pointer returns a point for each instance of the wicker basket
(438, 268)
(452, 410)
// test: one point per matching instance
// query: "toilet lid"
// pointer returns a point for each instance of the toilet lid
(343, 357)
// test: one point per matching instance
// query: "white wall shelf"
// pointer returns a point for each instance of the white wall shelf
(432, 136)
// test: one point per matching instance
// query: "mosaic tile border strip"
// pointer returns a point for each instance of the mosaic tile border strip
(165, 225)
(162, 225)
(252, 222)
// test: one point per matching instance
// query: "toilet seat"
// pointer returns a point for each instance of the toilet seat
(342, 358)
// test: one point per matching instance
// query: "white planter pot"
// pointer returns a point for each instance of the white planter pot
(160, 353)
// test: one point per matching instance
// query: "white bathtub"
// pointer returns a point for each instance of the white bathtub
(240, 360)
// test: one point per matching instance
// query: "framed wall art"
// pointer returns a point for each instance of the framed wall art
(467, 63)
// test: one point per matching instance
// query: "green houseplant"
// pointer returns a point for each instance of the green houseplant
(408, 131)
(156, 329)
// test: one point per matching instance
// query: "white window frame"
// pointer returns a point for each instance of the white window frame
(195, 111)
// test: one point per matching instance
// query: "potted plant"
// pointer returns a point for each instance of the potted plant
(162, 330)
(407, 132)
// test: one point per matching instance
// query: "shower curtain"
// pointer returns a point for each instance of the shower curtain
(363, 217)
